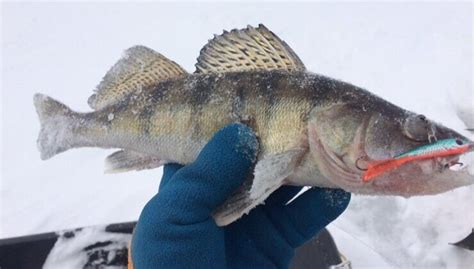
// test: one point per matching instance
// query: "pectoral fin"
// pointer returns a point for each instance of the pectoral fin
(124, 160)
(269, 175)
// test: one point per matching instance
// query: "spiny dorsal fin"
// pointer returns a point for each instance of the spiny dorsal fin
(245, 50)
(138, 69)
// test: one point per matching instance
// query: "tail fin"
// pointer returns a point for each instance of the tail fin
(56, 121)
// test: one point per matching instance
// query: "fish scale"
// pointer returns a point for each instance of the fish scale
(311, 128)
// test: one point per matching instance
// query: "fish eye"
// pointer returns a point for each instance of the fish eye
(416, 128)
(422, 117)
(459, 141)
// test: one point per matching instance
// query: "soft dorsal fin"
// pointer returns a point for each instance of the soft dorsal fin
(139, 68)
(245, 50)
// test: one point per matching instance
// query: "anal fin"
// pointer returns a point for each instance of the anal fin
(270, 173)
(124, 160)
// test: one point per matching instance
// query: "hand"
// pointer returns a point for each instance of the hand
(176, 229)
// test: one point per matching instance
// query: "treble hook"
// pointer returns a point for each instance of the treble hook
(448, 165)
(432, 134)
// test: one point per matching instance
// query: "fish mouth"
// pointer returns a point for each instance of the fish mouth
(441, 164)
(421, 177)
(425, 177)
(447, 163)
(418, 177)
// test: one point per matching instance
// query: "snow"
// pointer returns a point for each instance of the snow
(416, 55)
(71, 252)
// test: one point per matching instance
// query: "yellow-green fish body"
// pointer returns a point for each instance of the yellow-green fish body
(312, 129)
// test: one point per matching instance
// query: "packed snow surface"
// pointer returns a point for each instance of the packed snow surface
(418, 56)
(72, 251)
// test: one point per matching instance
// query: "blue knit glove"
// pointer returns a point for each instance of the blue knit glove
(176, 229)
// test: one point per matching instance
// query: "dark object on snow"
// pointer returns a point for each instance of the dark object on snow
(31, 252)
(27, 251)
(319, 252)
(467, 243)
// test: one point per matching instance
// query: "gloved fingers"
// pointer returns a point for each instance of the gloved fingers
(282, 195)
(222, 166)
(300, 220)
(168, 172)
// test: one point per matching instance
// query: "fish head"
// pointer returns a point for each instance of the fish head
(345, 138)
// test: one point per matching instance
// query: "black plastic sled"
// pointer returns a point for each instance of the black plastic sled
(106, 247)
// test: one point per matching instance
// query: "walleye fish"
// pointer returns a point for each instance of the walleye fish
(312, 129)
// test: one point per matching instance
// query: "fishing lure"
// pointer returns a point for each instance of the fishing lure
(441, 148)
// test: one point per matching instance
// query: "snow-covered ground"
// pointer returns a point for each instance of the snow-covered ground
(416, 55)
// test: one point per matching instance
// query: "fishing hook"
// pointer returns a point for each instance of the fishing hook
(432, 134)
(357, 163)
(448, 165)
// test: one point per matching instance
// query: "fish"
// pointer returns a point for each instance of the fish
(312, 129)
(441, 148)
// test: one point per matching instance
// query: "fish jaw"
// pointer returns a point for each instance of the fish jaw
(420, 177)
(425, 177)
(452, 157)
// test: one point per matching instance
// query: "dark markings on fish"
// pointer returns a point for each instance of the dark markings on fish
(108, 113)
(273, 87)
(202, 90)
(145, 117)
(237, 105)
(160, 90)
(304, 122)
(147, 111)
(199, 97)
